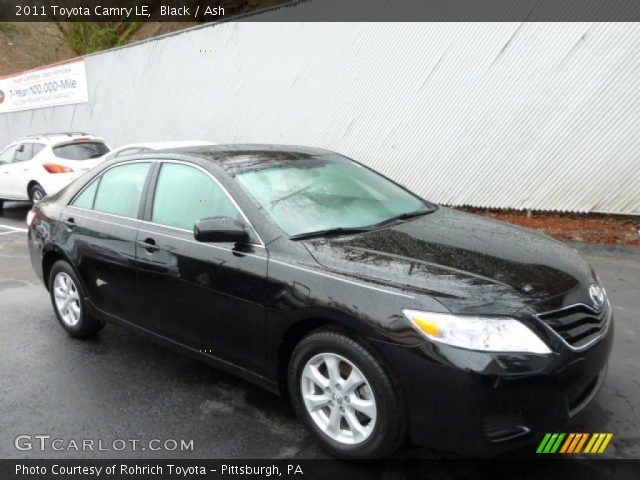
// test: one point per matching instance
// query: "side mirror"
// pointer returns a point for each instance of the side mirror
(220, 229)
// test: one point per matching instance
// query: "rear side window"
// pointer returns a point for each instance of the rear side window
(80, 150)
(88, 195)
(37, 148)
(27, 151)
(120, 190)
(185, 195)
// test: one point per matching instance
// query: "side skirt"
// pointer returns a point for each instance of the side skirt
(216, 362)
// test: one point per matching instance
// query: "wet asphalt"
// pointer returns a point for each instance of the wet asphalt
(119, 385)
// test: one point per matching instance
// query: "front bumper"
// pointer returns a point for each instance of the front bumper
(477, 403)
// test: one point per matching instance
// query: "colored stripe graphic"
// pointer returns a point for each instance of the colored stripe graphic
(550, 443)
(573, 443)
(594, 437)
(598, 443)
(555, 447)
(543, 443)
(567, 442)
(581, 443)
(605, 443)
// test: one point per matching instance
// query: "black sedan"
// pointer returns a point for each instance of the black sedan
(382, 315)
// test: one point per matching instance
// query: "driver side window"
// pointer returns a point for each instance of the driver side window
(185, 195)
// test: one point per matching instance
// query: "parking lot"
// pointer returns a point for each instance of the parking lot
(121, 386)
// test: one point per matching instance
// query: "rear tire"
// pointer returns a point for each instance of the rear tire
(36, 193)
(69, 304)
(365, 422)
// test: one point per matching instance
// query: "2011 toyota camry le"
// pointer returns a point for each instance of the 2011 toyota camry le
(383, 316)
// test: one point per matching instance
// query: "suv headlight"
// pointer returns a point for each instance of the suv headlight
(491, 334)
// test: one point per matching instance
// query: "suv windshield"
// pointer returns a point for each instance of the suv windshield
(80, 150)
(327, 195)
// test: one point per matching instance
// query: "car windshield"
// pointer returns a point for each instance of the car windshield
(80, 150)
(324, 194)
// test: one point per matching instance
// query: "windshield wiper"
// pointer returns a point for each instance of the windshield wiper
(346, 230)
(405, 216)
(289, 195)
(330, 231)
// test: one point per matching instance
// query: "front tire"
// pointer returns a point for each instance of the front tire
(36, 193)
(346, 397)
(69, 304)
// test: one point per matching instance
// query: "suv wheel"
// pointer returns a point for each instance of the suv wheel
(345, 396)
(68, 301)
(37, 193)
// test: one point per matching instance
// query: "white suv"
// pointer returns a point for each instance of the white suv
(40, 165)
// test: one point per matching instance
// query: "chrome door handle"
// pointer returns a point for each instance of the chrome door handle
(148, 244)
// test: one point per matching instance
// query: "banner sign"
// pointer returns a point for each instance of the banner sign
(61, 84)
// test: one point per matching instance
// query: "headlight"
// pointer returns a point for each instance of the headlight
(489, 334)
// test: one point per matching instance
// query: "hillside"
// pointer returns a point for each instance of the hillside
(24, 46)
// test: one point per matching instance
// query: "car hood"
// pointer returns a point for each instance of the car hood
(470, 264)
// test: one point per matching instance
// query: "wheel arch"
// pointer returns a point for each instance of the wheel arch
(51, 256)
(303, 327)
(30, 185)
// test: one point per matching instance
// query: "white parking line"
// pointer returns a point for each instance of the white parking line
(14, 229)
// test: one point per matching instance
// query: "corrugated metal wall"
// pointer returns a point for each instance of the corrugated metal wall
(526, 116)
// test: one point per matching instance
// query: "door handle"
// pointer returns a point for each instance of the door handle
(149, 244)
(70, 223)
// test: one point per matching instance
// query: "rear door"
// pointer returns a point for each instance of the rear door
(25, 168)
(101, 225)
(207, 296)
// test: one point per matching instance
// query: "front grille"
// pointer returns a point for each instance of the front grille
(578, 325)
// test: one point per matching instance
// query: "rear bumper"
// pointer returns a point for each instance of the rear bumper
(35, 252)
(483, 404)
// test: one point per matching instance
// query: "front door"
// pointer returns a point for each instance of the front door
(206, 296)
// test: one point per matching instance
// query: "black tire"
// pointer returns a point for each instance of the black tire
(1, 205)
(86, 325)
(36, 193)
(391, 426)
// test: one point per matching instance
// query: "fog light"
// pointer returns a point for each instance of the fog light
(502, 427)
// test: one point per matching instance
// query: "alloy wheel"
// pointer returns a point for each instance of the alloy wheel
(67, 299)
(37, 195)
(339, 398)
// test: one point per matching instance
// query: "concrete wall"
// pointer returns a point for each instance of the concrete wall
(503, 115)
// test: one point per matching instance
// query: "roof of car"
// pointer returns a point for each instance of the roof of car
(240, 155)
(59, 136)
(164, 145)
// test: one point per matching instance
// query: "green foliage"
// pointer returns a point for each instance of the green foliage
(7, 28)
(87, 37)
